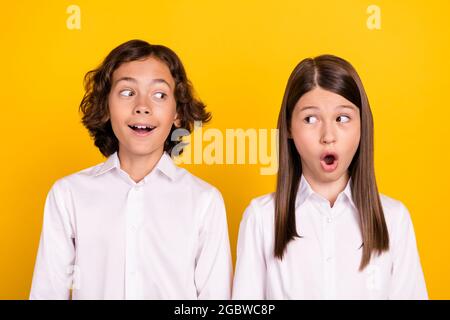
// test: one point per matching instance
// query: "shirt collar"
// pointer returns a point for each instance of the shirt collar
(165, 165)
(110, 163)
(305, 191)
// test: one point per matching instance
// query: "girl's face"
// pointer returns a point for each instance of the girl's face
(326, 131)
(142, 106)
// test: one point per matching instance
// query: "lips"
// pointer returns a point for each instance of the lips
(141, 129)
(329, 161)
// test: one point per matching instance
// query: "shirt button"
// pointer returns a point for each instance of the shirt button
(329, 259)
(329, 220)
(133, 228)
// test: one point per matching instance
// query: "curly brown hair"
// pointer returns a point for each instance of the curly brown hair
(97, 83)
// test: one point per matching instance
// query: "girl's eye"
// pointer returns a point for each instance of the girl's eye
(311, 119)
(127, 93)
(160, 95)
(343, 119)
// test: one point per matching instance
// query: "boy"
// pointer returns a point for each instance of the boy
(135, 226)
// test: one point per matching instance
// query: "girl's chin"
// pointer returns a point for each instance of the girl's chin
(332, 176)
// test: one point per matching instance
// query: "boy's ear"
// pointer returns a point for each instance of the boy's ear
(177, 121)
(106, 116)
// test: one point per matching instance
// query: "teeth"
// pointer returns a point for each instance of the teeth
(143, 127)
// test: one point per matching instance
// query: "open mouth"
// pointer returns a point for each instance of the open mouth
(141, 129)
(329, 161)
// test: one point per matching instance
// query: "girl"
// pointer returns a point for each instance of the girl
(135, 226)
(326, 233)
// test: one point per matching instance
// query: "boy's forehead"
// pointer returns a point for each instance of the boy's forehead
(144, 70)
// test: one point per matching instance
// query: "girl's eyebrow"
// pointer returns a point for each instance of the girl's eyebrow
(308, 107)
(135, 81)
(347, 106)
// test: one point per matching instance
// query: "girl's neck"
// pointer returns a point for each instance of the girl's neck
(328, 189)
(138, 166)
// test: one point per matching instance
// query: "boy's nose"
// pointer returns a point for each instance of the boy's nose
(142, 109)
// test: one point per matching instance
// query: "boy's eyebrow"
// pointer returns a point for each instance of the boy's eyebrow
(134, 80)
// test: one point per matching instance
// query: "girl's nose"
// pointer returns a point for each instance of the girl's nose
(328, 135)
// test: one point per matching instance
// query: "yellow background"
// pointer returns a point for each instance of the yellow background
(238, 55)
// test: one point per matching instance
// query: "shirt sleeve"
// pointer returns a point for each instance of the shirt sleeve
(408, 281)
(250, 274)
(213, 269)
(54, 268)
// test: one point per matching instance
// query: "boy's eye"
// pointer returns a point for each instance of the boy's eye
(310, 119)
(343, 119)
(126, 93)
(160, 95)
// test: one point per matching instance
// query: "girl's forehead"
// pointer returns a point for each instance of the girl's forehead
(323, 100)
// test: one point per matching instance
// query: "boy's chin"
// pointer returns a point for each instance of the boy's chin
(143, 152)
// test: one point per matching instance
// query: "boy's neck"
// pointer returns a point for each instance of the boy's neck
(138, 166)
(328, 189)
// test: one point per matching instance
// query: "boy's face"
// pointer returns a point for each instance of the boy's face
(142, 106)
(325, 128)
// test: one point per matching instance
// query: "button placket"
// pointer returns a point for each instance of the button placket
(132, 214)
(329, 252)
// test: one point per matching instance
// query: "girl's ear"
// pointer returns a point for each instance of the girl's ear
(289, 133)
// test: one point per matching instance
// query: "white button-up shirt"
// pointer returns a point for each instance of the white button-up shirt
(324, 264)
(106, 237)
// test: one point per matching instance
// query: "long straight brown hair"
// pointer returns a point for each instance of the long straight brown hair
(338, 76)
